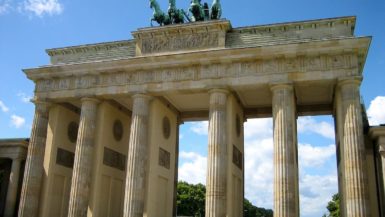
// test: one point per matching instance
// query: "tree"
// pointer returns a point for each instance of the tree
(333, 206)
(190, 199)
(252, 211)
(191, 202)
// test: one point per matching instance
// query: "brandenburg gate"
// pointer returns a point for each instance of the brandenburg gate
(104, 139)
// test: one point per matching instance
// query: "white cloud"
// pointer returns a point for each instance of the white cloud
(3, 107)
(315, 189)
(5, 6)
(259, 173)
(42, 7)
(315, 193)
(200, 128)
(376, 111)
(17, 121)
(24, 97)
(259, 128)
(310, 125)
(193, 170)
(312, 156)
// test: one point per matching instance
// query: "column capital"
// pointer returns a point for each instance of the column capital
(41, 105)
(381, 149)
(354, 80)
(142, 95)
(280, 86)
(219, 90)
(90, 99)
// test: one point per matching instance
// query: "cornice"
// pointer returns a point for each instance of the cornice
(299, 25)
(321, 47)
(88, 47)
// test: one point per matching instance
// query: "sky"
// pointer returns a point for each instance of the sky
(28, 27)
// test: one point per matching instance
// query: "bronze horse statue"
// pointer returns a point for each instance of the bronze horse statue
(175, 14)
(198, 12)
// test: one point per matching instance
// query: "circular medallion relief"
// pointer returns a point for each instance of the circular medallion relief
(166, 127)
(238, 125)
(117, 130)
(72, 131)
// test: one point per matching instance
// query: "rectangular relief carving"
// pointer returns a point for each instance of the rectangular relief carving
(179, 42)
(65, 158)
(237, 157)
(114, 159)
(164, 158)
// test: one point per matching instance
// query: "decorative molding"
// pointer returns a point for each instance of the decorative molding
(182, 42)
(72, 131)
(194, 36)
(237, 157)
(164, 158)
(89, 48)
(114, 159)
(65, 158)
(117, 130)
(212, 71)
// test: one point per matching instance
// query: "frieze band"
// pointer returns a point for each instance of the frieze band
(181, 42)
(239, 69)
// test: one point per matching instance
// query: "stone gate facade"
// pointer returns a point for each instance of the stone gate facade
(104, 139)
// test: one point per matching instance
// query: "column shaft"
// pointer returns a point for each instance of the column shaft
(137, 158)
(382, 154)
(13, 185)
(355, 177)
(33, 173)
(286, 195)
(81, 175)
(217, 155)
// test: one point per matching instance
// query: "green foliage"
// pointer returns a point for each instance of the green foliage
(191, 199)
(191, 202)
(333, 206)
(252, 211)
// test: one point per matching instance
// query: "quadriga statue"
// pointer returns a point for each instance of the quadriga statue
(198, 12)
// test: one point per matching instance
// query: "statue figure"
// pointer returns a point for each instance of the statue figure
(175, 14)
(216, 10)
(206, 11)
(196, 11)
(159, 16)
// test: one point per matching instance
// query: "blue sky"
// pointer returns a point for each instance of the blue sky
(28, 27)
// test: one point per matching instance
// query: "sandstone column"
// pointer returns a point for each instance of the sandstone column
(382, 153)
(33, 173)
(137, 158)
(217, 155)
(81, 175)
(286, 193)
(10, 202)
(354, 176)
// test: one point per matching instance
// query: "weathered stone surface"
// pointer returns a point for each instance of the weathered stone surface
(13, 184)
(355, 176)
(217, 155)
(81, 175)
(286, 194)
(30, 193)
(137, 158)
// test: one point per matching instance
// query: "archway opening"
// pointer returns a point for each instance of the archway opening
(317, 164)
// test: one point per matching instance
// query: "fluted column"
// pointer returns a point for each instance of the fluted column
(81, 174)
(286, 195)
(382, 153)
(13, 185)
(354, 176)
(33, 173)
(137, 158)
(217, 155)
